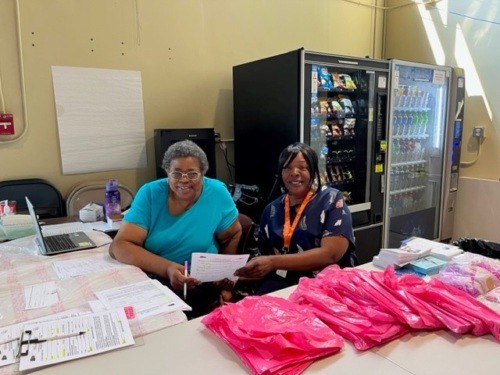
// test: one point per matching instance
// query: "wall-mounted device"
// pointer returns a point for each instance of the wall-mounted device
(6, 124)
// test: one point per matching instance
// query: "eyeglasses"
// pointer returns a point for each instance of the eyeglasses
(192, 175)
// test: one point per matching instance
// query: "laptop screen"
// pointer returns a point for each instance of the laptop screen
(36, 225)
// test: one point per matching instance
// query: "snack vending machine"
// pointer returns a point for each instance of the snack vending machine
(425, 132)
(336, 104)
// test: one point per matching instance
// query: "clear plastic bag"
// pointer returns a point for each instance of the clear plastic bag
(475, 278)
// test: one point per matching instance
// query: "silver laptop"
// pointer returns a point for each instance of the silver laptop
(59, 243)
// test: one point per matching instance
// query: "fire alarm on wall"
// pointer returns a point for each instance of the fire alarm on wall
(6, 124)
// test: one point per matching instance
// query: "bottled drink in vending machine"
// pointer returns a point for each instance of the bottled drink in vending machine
(112, 201)
(409, 131)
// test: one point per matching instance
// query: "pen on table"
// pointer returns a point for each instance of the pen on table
(185, 275)
(60, 337)
(9, 340)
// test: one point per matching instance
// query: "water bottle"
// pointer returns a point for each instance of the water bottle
(112, 200)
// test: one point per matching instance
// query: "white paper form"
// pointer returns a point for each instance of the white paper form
(214, 267)
(40, 295)
(171, 318)
(66, 269)
(9, 343)
(425, 245)
(9, 349)
(147, 298)
(103, 332)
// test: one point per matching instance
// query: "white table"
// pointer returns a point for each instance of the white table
(22, 265)
(190, 348)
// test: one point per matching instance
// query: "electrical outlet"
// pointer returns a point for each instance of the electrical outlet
(478, 132)
(217, 137)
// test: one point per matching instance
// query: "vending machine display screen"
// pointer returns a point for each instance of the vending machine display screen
(458, 130)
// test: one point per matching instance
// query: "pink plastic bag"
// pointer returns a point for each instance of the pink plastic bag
(397, 286)
(272, 335)
(369, 308)
(364, 290)
(482, 318)
(455, 309)
(363, 330)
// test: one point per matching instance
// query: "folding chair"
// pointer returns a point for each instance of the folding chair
(46, 198)
(94, 191)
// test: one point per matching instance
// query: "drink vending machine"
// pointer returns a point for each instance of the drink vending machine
(425, 130)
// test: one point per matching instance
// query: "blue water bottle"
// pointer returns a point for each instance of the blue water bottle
(112, 201)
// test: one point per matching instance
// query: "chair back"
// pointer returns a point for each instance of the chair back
(248, 240)
(44, 196)
(84, 193)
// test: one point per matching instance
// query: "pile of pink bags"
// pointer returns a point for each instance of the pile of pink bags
(370, 308)
(272, 335)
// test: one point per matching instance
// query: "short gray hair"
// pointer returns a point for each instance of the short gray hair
(184, 149)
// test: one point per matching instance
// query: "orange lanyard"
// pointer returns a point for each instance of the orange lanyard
(287, 228)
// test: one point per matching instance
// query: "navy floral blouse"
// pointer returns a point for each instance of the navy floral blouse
(325, 215)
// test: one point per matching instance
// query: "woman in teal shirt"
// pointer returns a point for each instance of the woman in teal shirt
(172, 218)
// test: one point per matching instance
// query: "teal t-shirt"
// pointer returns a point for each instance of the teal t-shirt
(177, 237)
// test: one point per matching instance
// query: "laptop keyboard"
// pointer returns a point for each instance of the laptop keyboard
(59, 242)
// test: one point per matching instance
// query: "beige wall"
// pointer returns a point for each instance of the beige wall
(460, 33)
(185, 51)
(477, 213)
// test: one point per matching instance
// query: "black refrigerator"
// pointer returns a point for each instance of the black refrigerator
(338, 105)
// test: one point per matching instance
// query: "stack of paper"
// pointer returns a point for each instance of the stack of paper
(416, 248)
(398, 257)
(382, 263)
(437, 249)
(446, 251)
